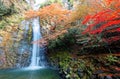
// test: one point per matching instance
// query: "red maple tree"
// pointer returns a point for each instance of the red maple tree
(105, 21)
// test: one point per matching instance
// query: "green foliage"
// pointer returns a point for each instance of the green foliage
(61, 59)
(72, 67)
(65, 41)
(70, 37)
(4, 10)
(53, 1)
(29, 35)
(12, 20)
(2, 24)
(50, 2)
(45, 4)
(111, 59)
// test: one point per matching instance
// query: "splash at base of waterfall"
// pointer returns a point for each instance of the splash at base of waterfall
(34, 68)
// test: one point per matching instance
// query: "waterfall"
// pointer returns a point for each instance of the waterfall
(38, 53)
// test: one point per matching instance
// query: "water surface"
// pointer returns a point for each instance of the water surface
(29, 74)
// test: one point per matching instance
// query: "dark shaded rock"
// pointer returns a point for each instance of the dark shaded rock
(1, 38)
(93, 77)
(1, 52)
(73, 59)
(1, 63)
(101, 77)
(115, 77)
(99, 72)
(15, 34)
(108, 77)
(62, 75)
(68, 70)
(80, 73)
(17, 65)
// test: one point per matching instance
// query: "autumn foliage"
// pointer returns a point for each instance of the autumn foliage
(105, 21)
(52, 13)
(85, 7)
(100, 16)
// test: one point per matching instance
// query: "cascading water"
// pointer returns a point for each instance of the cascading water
(37, 59)
(38, 53)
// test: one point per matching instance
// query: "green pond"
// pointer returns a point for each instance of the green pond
(29, 74)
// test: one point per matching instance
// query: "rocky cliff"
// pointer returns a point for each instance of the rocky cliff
(11, 30)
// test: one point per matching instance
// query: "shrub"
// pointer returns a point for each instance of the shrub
(4, 10)
(111, 59)
(65, 41)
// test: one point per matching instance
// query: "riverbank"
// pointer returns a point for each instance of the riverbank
(86, 66)
(71, 66)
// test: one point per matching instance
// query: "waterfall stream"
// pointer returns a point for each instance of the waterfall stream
(38, 53)
(37, 58)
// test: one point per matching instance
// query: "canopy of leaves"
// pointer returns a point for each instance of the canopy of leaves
(54, 13)
(85, 7)
(105, 21)
(51, 13)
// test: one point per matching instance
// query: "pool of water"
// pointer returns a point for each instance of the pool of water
(29, 74)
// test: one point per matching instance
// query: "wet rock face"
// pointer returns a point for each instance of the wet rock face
(1, 38)
(1, 63)
(1, 52)
(24, 47)
(23, 60)
(23, 54)
(18, 54)
(97, 76)
(11, 24)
